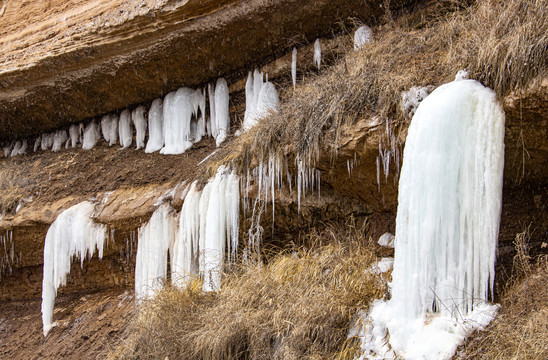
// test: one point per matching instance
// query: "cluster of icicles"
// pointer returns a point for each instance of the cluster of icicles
(8, 258)
(195, 240)
(174, 124)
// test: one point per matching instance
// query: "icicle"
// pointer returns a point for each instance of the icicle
(222, 118)
(178, 110)
(140, 123)
(294, 67)
(317, 53)
(59, 139)
(155, 238)
(47, 141)
(91, 136)
(16, 148)
(212, 124)
(362, 36)
(155, 127)
(73, 233)
(74, 134)
(125, 131)
(268, 100)
(37, 143)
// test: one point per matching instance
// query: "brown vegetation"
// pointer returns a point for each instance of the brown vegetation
(298, 306)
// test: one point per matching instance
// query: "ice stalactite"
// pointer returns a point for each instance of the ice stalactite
(184, 263)
(92, 134)
(222, 116)
(219, 225)
(389, 153)
(7, 253)
(20, 148)
(362, 36)
(261, 99)
(294, 67)
(411, 99)
(140, 123)
(317, 53)
(60, 137)
(47, 141)
(155, 127)
(177, 117)
(449, 206)
(73, 233)
(109, 128)
(75, 134)
(125, 131)
(155, 238)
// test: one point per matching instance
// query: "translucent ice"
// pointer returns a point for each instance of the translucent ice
(124, 129)
(294, 67)
(261, 99)
(73, 233)
(178, 110)
(317, 53)
(362, 36)
(155, 127)
(60, 137)
(91, 136)
(47, 141)
(75, 133)
(222, 118)
(155, 238)
(140, 123)
(447, 224)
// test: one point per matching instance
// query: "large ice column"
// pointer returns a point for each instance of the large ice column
(219, 216)
(73, 233)
(125, 131)
(155, 127)
(222, 117)
(140, 123)
(447, 224)
(178, 109)
(155, 238)
(92, 134)
(184, 262)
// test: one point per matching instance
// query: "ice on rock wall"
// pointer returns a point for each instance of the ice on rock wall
(261, 99)
(462, 75)
(178, 109)
(447, 225)
(20, 148)
(155, 127)
(72, 234)
(411, 99)
(317, 53)
(125, 131)
(37, 143)
(75, 134)
(140, 123)
(91, 135)
(60, 138)
(362, 36)
(184, 262)
(222, 117)
(294, 67)
(155, 238)
(219, 219)
(47, 141)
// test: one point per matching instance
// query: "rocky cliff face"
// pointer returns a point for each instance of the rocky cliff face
(65, 62)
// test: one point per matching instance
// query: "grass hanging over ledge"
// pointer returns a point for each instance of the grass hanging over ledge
(503, 44)
(297, 306)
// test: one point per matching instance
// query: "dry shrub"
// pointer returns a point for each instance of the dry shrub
(298, 306)
(520, 330)
(503, 44)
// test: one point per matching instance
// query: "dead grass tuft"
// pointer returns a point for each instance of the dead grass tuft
(298, 306)
(520, 330)
(503, 44)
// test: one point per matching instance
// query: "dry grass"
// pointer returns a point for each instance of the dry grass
(298, 306)
(520, 331)
(503, 44)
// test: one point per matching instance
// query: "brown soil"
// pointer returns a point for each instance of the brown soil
(91, 324)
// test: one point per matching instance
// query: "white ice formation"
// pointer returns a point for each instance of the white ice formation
(140, 123)
(362, 36)
(261, 98)
(155, 127)
(294, 67)
(447, 225)
(109, 128)
(75, 134)
(125, 131)
(387, 240)
(317, 53)
(73, 233)
(411, 99)
(92, 134)
(222, 117)
(155, 238)
(462, 75)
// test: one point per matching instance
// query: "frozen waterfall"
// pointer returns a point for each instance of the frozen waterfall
(449, 206)
(73, 233)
